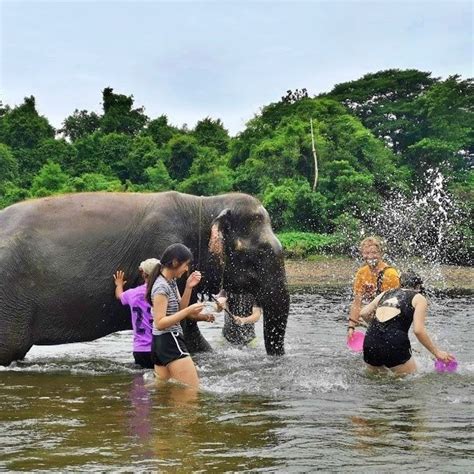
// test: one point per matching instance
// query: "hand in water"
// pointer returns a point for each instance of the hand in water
(444, 356)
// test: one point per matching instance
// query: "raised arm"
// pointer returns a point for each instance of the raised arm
(119, 280)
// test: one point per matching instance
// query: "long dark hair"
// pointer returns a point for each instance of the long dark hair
(178, 253)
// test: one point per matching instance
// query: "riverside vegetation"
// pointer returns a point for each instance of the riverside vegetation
(395, 152)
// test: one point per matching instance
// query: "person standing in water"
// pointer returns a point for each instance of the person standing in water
(169, 352)
(371, 279)
(386, 343)
(140, 312)
(240, 319)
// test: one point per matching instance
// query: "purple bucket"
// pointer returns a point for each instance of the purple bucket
(442, 366)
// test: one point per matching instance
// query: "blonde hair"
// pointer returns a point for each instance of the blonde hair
(372, 240)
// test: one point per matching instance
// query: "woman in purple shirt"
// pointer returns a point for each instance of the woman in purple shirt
(142, 319)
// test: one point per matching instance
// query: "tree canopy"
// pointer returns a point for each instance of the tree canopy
(376, 137)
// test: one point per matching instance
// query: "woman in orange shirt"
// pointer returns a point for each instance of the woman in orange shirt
(371, 279)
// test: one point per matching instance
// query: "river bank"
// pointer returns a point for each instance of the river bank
(325, 271)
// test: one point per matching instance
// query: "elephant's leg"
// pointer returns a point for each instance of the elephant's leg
(15, 341)
(195, 341)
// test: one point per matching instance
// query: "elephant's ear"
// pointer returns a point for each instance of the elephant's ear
(218, 228)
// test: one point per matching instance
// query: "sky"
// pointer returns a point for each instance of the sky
(220, 59)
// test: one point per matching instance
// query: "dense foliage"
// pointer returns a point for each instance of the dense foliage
(380, 138)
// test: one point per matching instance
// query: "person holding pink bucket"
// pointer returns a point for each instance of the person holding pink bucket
(386, 345)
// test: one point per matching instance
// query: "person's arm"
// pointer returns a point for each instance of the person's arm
(252, 319)
(119, 280)
(369, 309)
(354, 314)
(421, 308)
(161, 321)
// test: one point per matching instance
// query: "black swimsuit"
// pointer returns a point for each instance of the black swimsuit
(386, 343)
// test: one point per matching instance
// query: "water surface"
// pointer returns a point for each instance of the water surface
(87, 407)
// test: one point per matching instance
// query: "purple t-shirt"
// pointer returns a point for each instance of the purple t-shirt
(142, 320)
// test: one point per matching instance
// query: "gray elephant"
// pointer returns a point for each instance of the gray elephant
(58, 255)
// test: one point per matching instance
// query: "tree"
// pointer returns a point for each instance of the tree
(383, 101)
(23, 127)
(80, 124)
(179, 155)
(209, 174)
(158, 178)
(95, 182)
(8, 164)
(50, 180)
(57, 151)
(142, 155)
(119, 117)
(211, 133)
(160, 131)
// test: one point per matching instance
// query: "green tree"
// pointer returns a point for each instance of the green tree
(119, 116)
(383, 101)
(160, 131)
(158, 178)
(50, 180)
(143, 154)
(209, 174)
(179, 155)
(211, 133)
(80, 124)
(8, 164)
(89, 182)
(23, 127)
(89, 155)
(112, 154)
(57, 151)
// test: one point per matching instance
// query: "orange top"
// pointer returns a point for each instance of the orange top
(365, 283)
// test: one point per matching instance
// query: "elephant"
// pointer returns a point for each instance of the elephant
(58, 255)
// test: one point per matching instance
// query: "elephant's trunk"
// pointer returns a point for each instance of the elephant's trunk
(275, 301)
(276, 305)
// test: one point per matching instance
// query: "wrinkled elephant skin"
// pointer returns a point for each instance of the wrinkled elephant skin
(58, 255)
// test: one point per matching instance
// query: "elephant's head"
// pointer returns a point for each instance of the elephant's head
(249, 259)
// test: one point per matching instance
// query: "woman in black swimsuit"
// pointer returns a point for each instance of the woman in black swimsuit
(386, 343)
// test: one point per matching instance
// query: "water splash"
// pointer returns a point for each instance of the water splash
(421, 230)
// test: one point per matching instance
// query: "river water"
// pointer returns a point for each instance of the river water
(86, 407)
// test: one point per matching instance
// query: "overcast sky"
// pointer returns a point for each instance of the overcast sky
(221, 59)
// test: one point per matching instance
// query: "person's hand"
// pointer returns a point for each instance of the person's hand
(240, 321)
(220, 302)
(119, 278)
(444, 356)
(210, 318)
(193, 279)
(350, 333)
(195, 309)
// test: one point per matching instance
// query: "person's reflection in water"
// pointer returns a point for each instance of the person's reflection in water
(393, 424)
(141, 405)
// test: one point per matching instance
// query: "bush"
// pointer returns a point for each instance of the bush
(303, 244)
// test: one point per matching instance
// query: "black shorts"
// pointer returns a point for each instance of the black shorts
(168, 347)
(143, 359)
(387, 349)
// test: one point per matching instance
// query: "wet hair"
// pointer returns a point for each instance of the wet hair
(410, 279)
(372, 240)
(178, 253)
